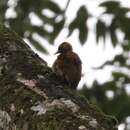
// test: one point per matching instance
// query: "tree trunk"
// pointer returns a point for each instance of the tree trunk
(32, 97)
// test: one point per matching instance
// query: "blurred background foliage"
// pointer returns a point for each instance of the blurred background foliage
(113, 96)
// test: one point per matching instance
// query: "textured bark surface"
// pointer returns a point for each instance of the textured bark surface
(32, 97)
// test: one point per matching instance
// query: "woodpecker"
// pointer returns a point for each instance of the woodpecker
(68, 65)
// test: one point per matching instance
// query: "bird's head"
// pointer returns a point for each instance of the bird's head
(64, 48)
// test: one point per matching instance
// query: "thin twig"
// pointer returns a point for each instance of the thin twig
(68, 2)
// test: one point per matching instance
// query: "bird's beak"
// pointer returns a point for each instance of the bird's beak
(56, 52)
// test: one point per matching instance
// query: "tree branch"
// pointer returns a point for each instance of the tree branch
(32, 97)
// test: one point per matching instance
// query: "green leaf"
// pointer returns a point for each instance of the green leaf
(30, 5)
(125, 25)
(126, 46)
(117, 59)
(72, 26)
(82, 14)
(57, 28)
(80, 23)
(3, 8)
(83, 34)
(112, 30)
(45, 18)
(110, 85)
(14, 24)
(111, 6)
(120, 58)
(40, 30)
(37, 45)
(100, 30)
(122, 11)
(53, 7)
(118, 75)
(115, 8)
(113, 38)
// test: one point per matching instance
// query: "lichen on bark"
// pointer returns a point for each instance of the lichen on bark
(33, 97)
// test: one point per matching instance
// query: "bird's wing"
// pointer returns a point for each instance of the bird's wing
(75, 58)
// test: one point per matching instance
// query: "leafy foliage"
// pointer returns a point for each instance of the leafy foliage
(120, 21)
(80, 23)
(22, 23)
(56, 20)
(100, 30)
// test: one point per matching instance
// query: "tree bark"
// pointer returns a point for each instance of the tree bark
(32, 97)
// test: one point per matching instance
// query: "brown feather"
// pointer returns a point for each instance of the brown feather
(68, 65)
